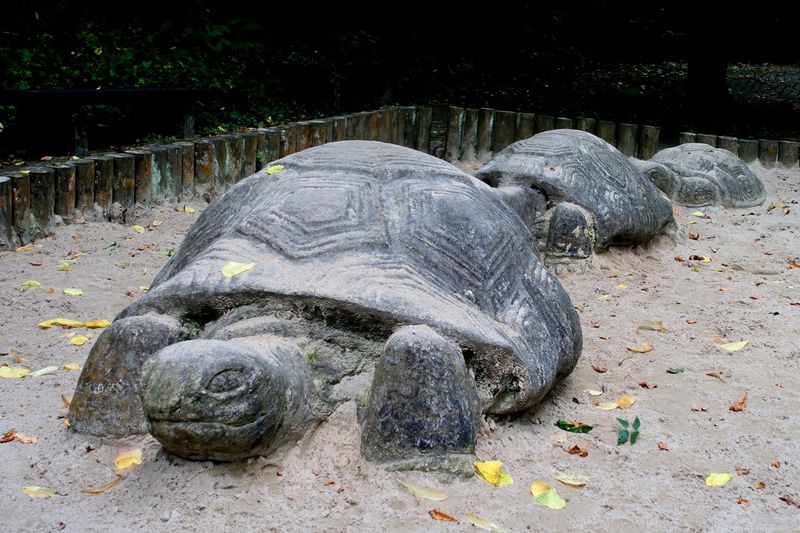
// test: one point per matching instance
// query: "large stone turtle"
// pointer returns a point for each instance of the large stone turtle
(366, 258)
(591, 196)
(698, 174)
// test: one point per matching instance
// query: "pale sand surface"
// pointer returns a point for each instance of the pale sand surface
(745, 293)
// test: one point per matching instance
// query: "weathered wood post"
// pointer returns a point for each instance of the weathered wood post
(64, 203)
(338, 128)
(748, 150)
(505, 124)
(7, 237)
(303, 131)
(319, 132)
(204, 183)
(526, 125)
(361, 123)
(175, 176)
(626, 138)
(124, 174)
(787, 153)
(288, 140)
(685, 137)
(648, 141)
(84, 185)
(730, 144)
(22, 221)
(470, 138)
(544, 123)
(272, 145)
(707, 138)
(424, 120)
(563, 123)
(586, 124)
(455, 130)
(187, 167)
(483, 147)
(768, 152)
(160, 169)
(103, 182)
(43, 201)
(235, 160)
(250, 140)
(410, 126)
(607, 131)
(143, 176)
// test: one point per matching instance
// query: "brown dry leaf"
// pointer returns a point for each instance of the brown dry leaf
(759, 485)
(577, 450)
(599, 369)
(716, 375)
(604, 338)
(794, 264)
(663, 446)
(743, 502)
(103, 488)
(742, 471)
(646, 385)
(65, 401)
(329, 482)
(694, 235)
(652, 325)
(776, 464)
(679, 258)
(642, 348)
(25, 248)
(8, 437)
(16, 357)
(754, 297)
(791, 501)
(691, 321)
(24, 439)
(438, 514)
(702, 409)
(739, 405)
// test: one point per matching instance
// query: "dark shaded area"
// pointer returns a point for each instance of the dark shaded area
(269, 62)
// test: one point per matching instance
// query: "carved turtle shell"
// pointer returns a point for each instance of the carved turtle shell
(577, 167)
(389, 233)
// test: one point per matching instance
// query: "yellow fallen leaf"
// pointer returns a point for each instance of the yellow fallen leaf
(71, 366)
(24, 248)
(593, 392)
(734, 346)
(65, 265)
(544, 494)
(652, 325)
(66, 423)
(625, 401)
(275, 169)
(232, 268)
(607, 406)
(65, 323)
(560, 438)
(24, 439)
(79, 340)
(438, 514)
(698, 214)
(72, 291)
(144, 288)
(604, 297)
(573, 480)
(718, 479)
(420, 492)
(96, 324)
(44, 371)
(642, 348)
(35, 491)
(482, 523)
(492, 472)
(13, 372)
(622, 286)
(103, 488)
(137, 228)
(156, 223)
(30, 284)
(188, 209)
(127, 459)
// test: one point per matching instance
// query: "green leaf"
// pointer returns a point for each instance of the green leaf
(622, 436)
(674, 370)
(634, 436)
(573, 426)
(636, 423)
(623, 423)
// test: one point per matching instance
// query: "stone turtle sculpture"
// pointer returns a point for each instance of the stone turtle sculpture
(586, 194)
(367, 258)
(697, 174)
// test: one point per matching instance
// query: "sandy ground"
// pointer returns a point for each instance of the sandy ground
(746, 292)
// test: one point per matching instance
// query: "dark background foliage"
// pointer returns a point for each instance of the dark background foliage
(269, 62)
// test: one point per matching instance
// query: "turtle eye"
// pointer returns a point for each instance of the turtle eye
(226, 381)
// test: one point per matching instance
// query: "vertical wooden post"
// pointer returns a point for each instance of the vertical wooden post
(272, 148)
(707, 138)
(505, 124)
(64, 202)
(607, 131)
(22, 217)
(410, 126)
(362, 126)
(235, 160)
(160, 170)
(250, 141)
(7, 238)
(187, 167)
(768, 152)
(485, 134)
(103, 182)
(143, 176)
(748, 150)
(319, 132)
(586, 124)
(84, 185)
(470, 138)
(424, 120)
(787, 153)
(626, 135)
(648, 141)
(338, 128)
(544, 123)
(385, 133)
(455, 130)
(563, 123)
(526, 123)
(42, 201)
(730, 144)
(374, 120)
(288, 140)
(400, 126)
(303, 130)
(204, 168)
(123, 191)
(685, 137)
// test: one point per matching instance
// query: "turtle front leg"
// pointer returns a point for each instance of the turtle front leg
(423, 409)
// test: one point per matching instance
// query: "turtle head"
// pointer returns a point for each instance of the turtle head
(217, 400)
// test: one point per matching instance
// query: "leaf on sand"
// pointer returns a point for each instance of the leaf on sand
(604, 297)
(127, 459)
(607, 406)
(699, 214)
(188, 209)
(65, 401)
(79, 340)
(663, 446)
(13, 372)
(97, 324)
(24, 248)
(573, 480)
(739, 404)
(65, 323)
(72, 291)
(622, 402)
(674, 371)
(65, 265)
(137, 228)
(30, 284)
(420, 492)
(71, 366)
(438, 514)
(492, 472)
(275, 169)
(573, 426)
(733, 346)
(593, 392)
(44, 371)
(577, 450)
(652, 325)
(642, 348)
(233, 268)
(599, 369)
(716, 479)
(621, 286)
(103, 488)
(35, 491)
(482, 523)
(794, 264)
(24, 439)
(544, 494)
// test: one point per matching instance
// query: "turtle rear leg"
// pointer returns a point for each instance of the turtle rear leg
(423, 409)
(569, 240)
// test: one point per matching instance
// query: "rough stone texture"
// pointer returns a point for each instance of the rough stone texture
(351, 241)
(568, 235)
(577, 167)
(429, 422)
(711, 176)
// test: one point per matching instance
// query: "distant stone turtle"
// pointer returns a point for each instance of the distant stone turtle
(581, 194)
(697, 174)
(365, 259)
